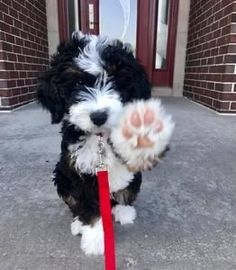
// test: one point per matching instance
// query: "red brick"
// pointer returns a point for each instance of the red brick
(3, 8)
(16, 92)
(230, 58)
(221, 106)
(5, 101)
(224, 49)
(229, 78)
(233, 17)
(223, 87)
(13, 74)
(4, 75)
(3, 56)
(231, 49)
(21, 58)
(7, 47)
(20, 82)
(226, 30)
(15, 31)
(9, 38)
(18, 24)
(13, 100)
(11, 57)
(8, 19)
(227, 96)
(11, 83)
(219, 60)
(9, 66)
(221, 69)
(5, 93)
(233, 106)
(206, 100)
(13, 13)
(232, 38)
(3, 84)
(225, 21)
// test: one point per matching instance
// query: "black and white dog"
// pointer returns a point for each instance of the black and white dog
(96, 88)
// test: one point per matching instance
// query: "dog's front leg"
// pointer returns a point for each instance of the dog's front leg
(91, 236)
(80, 193)
(90, 228)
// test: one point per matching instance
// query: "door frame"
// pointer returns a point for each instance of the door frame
(164, 77)
(63, 19)
(145, 40)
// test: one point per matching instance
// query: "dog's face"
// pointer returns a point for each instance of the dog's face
(89, 81)
(96, 109)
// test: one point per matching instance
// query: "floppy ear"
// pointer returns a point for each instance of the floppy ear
(131, 78)
(56, 84)
(50, 97)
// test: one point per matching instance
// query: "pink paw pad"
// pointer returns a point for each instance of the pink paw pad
(135, 119)
(127, 133)
(148, 117)
(140, 125)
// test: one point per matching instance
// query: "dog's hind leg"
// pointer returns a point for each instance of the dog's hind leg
(125, 214)
(123, 210)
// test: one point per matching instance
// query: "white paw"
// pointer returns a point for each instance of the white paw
(92, 242)
(124, 214)
(76, 226)
(143, 134)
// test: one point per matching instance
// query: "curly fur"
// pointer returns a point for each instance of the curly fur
(71, 89)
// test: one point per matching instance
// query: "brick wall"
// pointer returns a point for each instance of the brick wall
(210, 75)
(23, 50)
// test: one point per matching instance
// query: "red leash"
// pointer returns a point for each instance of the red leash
(105, 209)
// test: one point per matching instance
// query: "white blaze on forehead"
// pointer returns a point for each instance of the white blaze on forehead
(90, 59)
(100, 98)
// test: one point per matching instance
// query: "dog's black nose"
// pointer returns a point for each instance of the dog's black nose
(99, 117)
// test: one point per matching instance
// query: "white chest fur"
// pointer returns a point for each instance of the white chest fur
(86, 159)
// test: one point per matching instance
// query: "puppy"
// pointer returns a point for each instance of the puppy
(96, 88)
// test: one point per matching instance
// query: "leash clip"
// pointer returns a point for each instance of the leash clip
(101, 166)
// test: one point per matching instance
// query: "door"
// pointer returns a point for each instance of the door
(149, 25)
(114, 18)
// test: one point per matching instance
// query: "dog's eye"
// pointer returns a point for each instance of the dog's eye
(78, 83)
(90, 80)
(87, 79)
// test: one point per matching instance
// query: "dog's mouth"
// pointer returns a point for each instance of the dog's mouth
(102, 132)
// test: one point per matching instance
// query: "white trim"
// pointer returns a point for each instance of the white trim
(232, 88)
(76, 11)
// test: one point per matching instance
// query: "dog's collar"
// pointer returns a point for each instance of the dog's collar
(117, 155)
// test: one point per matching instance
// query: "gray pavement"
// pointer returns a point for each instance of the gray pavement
(186, 209)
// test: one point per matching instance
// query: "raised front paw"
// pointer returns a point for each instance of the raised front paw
(144, 133)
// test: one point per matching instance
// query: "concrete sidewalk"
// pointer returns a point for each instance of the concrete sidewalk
(186, 209)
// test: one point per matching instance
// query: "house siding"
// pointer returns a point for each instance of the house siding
(23, 50)
(210, 71)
